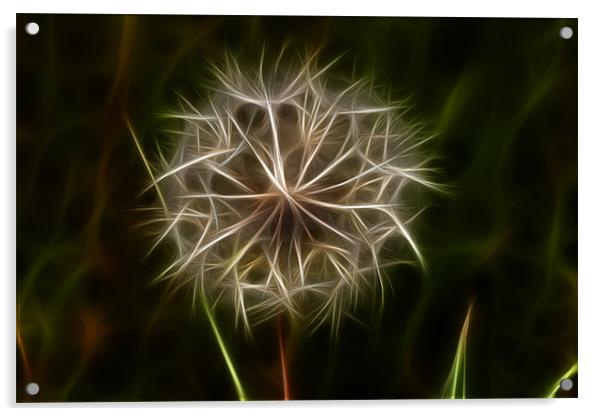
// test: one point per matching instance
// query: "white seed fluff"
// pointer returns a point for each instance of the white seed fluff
(286, 191)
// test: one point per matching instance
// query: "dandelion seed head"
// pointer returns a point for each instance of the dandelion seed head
(284, 188)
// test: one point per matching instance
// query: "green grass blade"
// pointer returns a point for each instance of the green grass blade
(455, 385)
(222, 346)
(569, 374)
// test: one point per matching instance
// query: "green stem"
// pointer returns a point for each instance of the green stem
(222, 346)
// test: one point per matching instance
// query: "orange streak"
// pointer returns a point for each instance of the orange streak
(287, 395)
(24, 358)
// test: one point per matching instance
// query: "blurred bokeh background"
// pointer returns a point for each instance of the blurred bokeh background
(501, 93)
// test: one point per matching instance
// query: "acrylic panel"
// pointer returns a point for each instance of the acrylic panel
(274, 208)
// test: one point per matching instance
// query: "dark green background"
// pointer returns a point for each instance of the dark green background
(501, 93)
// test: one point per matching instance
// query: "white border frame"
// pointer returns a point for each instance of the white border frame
(590, 149)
